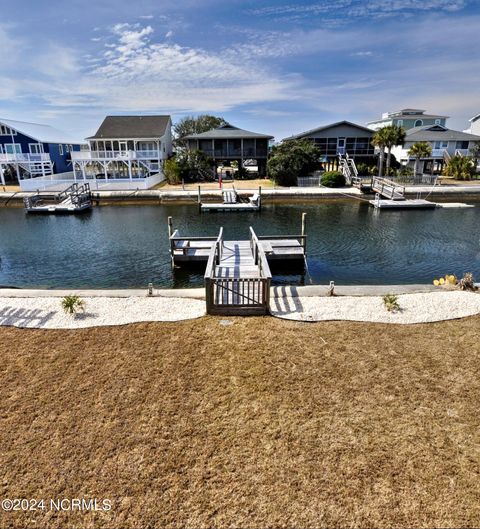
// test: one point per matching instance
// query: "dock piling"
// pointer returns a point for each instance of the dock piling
(304, 239)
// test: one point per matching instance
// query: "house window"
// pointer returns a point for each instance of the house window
(438, 121)
(400, 122)
(7, 131)
(418, 123)
(67, 148)
(12, 148)
(461, 145)
(35, 148)
(441, 145)
(60, 149)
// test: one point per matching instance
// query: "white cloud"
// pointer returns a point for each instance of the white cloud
(169, 34)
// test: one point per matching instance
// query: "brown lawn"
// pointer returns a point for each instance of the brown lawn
(263, 423)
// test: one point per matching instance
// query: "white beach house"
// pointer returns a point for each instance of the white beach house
(126, 152)
(444, 142)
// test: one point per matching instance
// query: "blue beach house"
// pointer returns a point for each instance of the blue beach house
(31, 150)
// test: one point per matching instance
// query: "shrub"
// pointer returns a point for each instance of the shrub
(460, 167)
(391, 302)
(467, 282)
(172, 171)
(72, 304)
(332, 179)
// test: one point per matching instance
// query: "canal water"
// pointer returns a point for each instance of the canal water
(127, 246)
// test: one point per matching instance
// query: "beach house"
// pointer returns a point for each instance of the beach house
(408, 118)
(340, 138)
(474, 125)
(444, 143)
(228, 143)
(126, 152)
(31, 151)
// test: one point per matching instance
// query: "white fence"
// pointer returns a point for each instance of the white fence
(59, 182)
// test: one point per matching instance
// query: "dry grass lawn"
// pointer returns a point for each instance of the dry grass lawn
(262, 423)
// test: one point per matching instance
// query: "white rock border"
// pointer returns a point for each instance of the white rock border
(414, 308)
(47, 312)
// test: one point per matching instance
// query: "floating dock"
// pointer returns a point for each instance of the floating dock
(232, 202)
(237, 275)
(389, 195)
(74, 199)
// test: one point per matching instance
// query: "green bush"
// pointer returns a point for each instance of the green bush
(72, 304)
(172, 171)
(292, 158)
(332, 179)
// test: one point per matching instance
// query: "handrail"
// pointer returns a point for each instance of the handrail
(215, 255)
(259, 256)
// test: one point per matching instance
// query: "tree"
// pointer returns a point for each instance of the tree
(418, 150)
(460, 167)
(193, 166)
(393, 135)
(291, 159)
(195, 125)
(380, 140)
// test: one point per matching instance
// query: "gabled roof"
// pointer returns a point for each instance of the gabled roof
(331, 126)
(438, 133)
(128, 127)
(227, 132)
(40, 133)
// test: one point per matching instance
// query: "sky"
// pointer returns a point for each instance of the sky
(272, 66)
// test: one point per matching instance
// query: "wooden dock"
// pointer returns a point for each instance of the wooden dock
(74, 199)
(390, 195)
(414, 203)
(232, 202)
(237, 275)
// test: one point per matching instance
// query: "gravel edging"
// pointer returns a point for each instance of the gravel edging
(47, 313)
(414, 308)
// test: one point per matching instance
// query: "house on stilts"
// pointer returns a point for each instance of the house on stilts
(126, 152)
(31, 153)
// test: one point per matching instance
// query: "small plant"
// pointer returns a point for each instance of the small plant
(467, 282)
(72, 304)
(391, 302)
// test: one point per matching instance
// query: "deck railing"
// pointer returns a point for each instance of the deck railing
(388, 188)
(24, 157)
(117, 155)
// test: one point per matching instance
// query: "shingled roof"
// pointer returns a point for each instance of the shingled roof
(127, 127)
(227, 132)
(438, 133)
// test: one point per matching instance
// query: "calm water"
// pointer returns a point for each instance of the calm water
(127, 246)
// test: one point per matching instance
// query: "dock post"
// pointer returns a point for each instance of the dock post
(170, 229)
(304, 240)
(259, 198)
(170, 232)
(199, 199)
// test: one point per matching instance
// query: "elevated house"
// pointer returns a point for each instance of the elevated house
(340, 138)
(30, 150)
(474, 125)
(408, 118)
(126, 151)
(444, 142)
(228, 143)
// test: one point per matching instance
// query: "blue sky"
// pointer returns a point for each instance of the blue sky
(273, 66)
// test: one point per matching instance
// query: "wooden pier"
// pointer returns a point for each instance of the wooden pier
(232, 202)
(237, 275)
(390, 195)
(74, 199)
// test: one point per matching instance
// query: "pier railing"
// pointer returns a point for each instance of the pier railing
(388, 188)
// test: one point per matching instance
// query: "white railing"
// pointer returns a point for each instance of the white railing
(24, 157)
(116, 155)
(462, 152)
(438, 153)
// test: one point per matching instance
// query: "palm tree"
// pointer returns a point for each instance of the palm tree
(380, 140)
(460, 167)
(421, 149)
(394, 135)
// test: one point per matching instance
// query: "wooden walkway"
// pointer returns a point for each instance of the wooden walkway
(237, 274)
